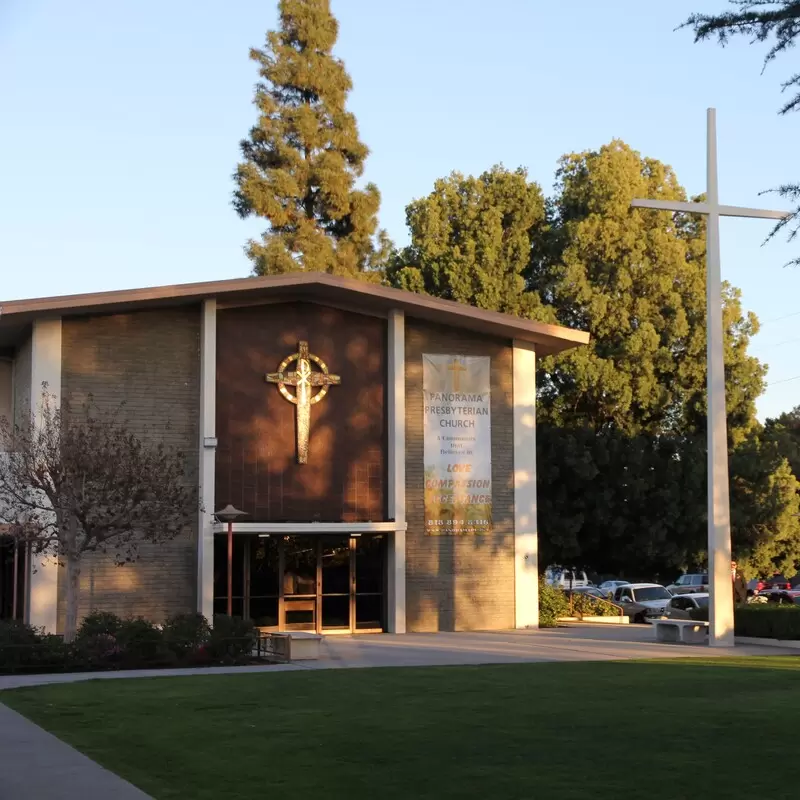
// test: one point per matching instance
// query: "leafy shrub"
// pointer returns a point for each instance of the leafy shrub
(586, 605)
(766, 620)
(24, 648)
(104, 641)
(141, 644)
(95, 651)
(19, 645)
(552, 604)
(769, 621)
(99, 623)
(232, 640)
(186, 635)
(95, 645)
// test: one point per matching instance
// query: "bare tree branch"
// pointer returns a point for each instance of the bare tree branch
(763, 20)
(76, 481)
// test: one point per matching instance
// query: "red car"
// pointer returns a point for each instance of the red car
(780, 595)
(767, 584)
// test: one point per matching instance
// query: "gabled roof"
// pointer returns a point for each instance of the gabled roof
(16, 315)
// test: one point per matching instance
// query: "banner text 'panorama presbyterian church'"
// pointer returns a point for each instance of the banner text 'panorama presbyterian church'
(458, 444)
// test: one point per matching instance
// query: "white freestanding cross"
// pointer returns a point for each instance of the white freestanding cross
(719, 515)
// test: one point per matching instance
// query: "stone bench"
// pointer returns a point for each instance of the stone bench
(288, 645)
(684, 631)
(303, 646)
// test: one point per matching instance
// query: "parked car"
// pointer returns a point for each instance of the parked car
(692, 582)
(778, 582)
(780, 595)
(609, 587)
(566, 578)
(682, 605)
(592, 591)
(642, 601)
(775, 582)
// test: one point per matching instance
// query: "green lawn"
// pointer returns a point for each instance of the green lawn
(678, 729)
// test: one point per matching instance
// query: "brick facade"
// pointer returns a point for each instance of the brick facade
(460, 582)
(151, 361)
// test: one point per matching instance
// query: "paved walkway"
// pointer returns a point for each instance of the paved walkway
(572, 643)
(34, 764)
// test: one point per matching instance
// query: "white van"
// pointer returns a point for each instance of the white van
(565, 578)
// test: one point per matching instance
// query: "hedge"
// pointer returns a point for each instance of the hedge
(104, 641)
(763, 620)
(767, 621)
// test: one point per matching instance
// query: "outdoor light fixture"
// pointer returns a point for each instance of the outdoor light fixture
(229, 514)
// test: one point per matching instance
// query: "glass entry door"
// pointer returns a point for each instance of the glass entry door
(299, 581)
(336, 583)
(326, 583)
(332, 583)
(13, 569)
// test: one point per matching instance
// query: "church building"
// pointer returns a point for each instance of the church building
(380, 444)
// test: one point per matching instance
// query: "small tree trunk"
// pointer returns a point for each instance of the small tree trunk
(73, 587)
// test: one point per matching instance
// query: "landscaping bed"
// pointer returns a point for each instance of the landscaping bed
(107, 642)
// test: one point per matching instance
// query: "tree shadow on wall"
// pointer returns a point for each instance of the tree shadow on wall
(257, 470)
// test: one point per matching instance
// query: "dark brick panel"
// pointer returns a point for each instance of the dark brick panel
(256, 466)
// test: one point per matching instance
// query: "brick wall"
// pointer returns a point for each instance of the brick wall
(460, 582)
(151, 361)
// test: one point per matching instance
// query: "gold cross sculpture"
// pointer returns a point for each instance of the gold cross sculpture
(457, 367)
(303, 379)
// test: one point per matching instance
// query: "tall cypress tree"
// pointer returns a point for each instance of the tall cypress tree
(303, 157)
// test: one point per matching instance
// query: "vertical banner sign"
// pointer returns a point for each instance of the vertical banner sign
(458, 445)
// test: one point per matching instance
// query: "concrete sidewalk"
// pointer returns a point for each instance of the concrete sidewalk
(578, 642)
(36, 765)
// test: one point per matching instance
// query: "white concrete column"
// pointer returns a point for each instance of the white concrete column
(526, 536)
(396, 409)
(719, 510)
(42, 599)
(207, 456)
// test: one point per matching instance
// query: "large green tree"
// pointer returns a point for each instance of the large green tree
(778, 23)
(303, 157)
(471, 241)
(784, 430)
(636, 280)
(764, 508)
(621, 437)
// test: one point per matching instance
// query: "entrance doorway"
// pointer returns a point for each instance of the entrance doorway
(328, 583)
(13, 569)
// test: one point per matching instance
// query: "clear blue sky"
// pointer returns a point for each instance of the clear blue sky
(120, 122)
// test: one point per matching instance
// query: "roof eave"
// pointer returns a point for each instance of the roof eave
(547, 339)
